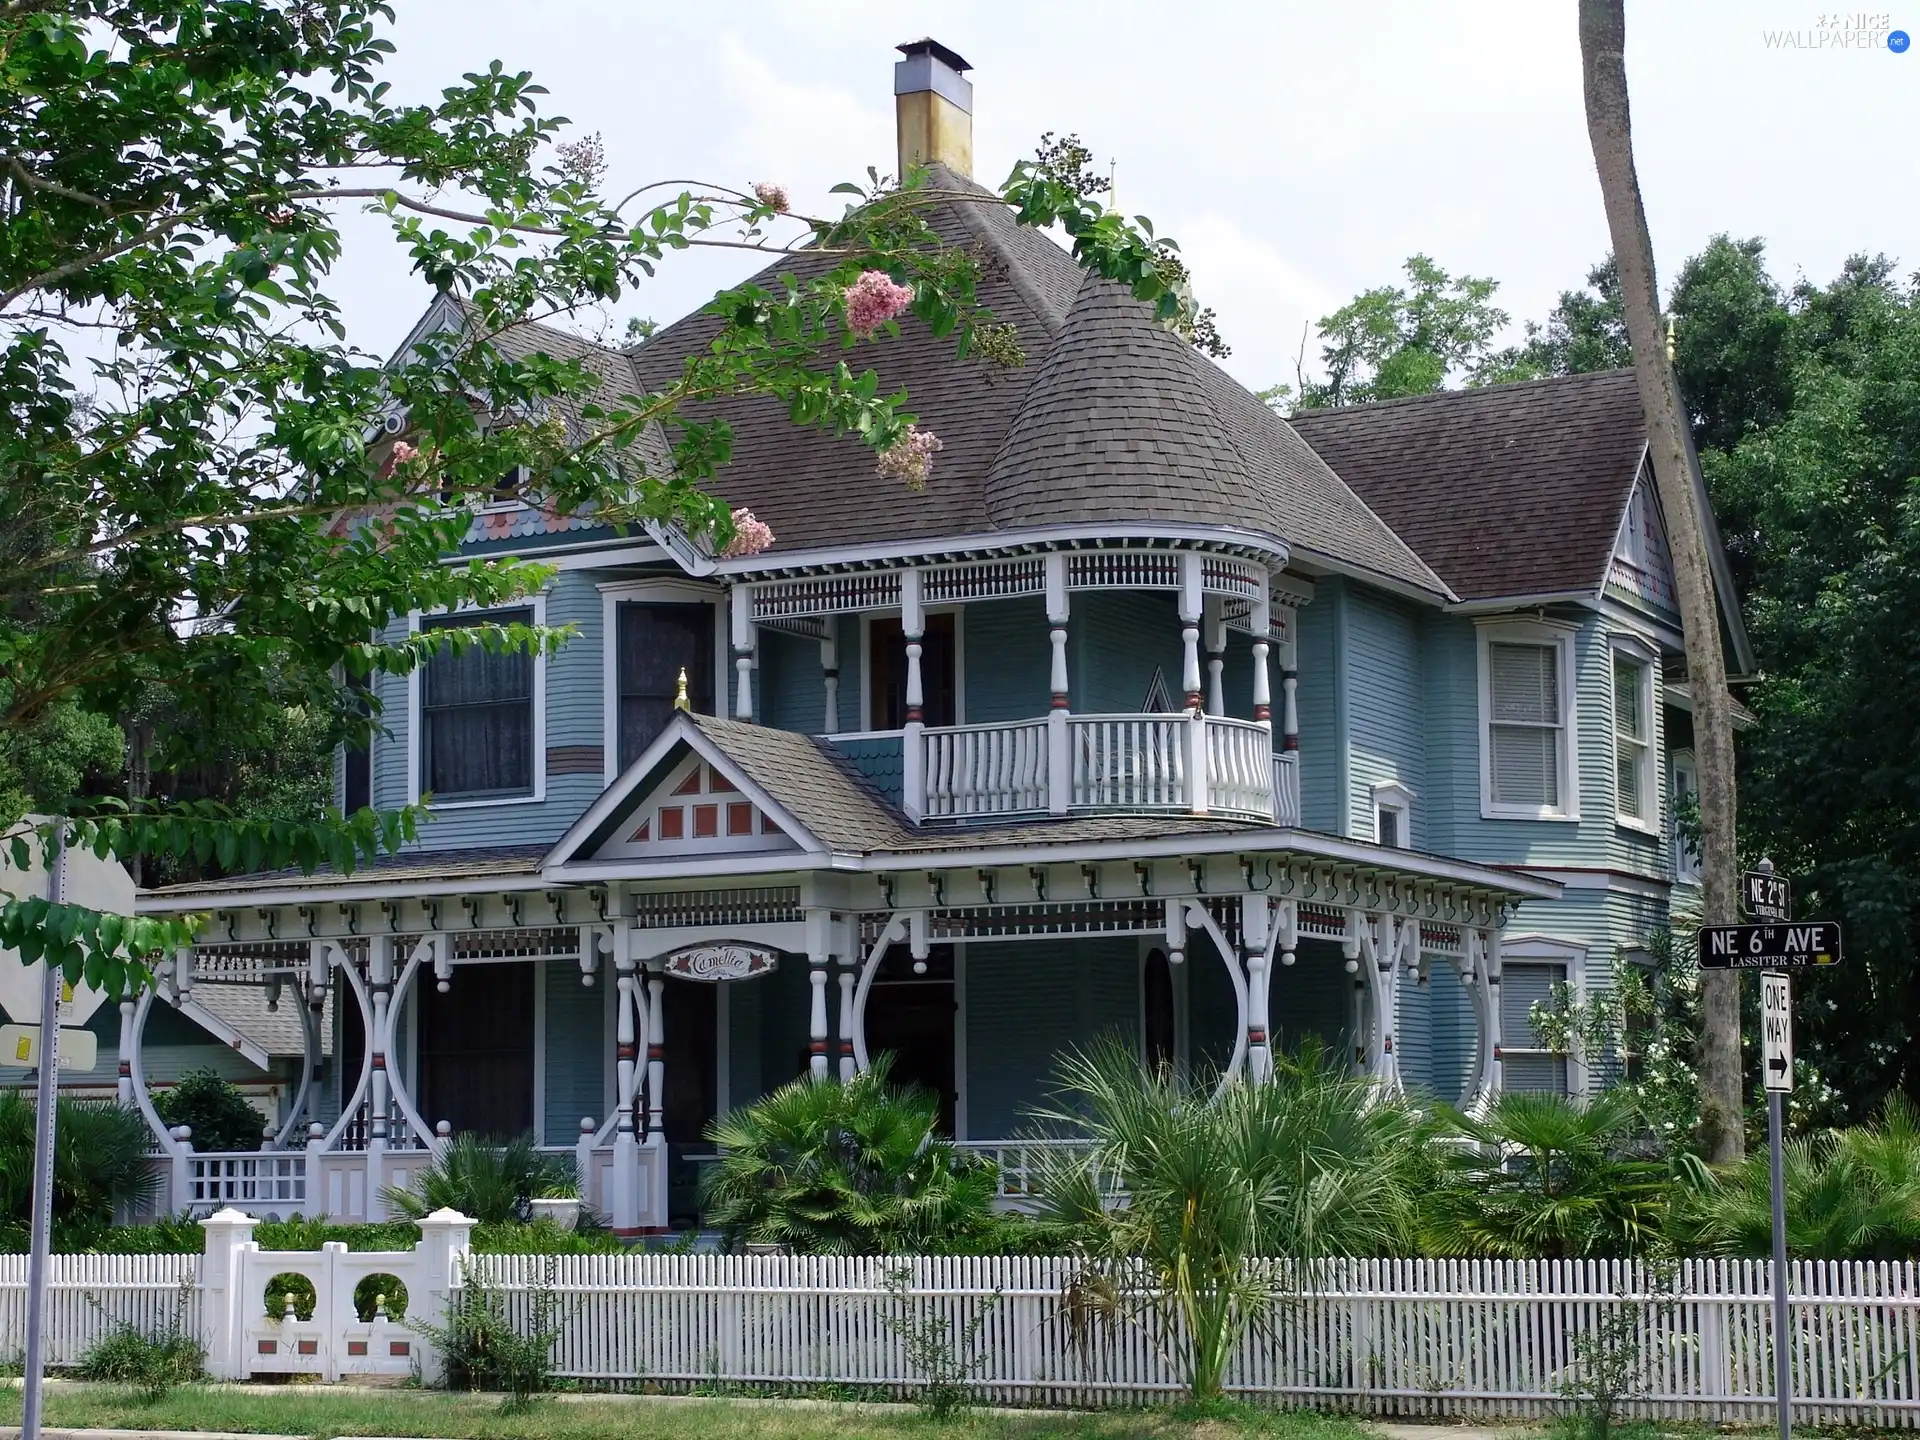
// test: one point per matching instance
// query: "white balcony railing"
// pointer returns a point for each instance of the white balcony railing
(1184, 764)
(987, 769)
(261, 1182)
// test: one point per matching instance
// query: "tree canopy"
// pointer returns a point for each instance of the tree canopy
(195, 516)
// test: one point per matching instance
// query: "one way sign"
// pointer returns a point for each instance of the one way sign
(1776, 1032)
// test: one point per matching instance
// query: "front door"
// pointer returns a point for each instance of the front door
(476, 1050)
(911, 1017)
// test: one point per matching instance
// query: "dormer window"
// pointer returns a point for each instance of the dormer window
(1393, 815)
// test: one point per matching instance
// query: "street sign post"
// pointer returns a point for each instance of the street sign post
(1765, 896)
(1776, 1072)
(1774, 946)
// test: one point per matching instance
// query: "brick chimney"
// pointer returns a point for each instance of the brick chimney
(933, 107)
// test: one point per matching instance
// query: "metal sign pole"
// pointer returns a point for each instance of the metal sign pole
(1782, 1357)
(46, 1095)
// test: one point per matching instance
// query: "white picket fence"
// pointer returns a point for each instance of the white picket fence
(1409, 1338)
(91, 1296)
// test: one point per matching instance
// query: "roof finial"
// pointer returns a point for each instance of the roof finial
(680, 700)
(1113, 186)
(1669, 339)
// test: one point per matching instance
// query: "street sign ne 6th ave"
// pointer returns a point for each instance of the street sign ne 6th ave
(1765, 896)
(1769, 947)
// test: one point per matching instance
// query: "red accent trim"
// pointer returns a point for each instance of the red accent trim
(265, 1347)
(1386, 1046)
(706, 822)
(1496, 1053)
(816, 1047)
(1193, 699)
(125, 1068)
(379, 1061)
(656, 1052)
(309, 1347)
(1256, 1037)
(690, 785)
(718, 784)
(1289, 743)
(739, 817)
(399, 1347)
(673, 822)
(625, 1052)
(356, 1347)
(846, 1047)
(1263, 712)
(914, 715)
(1059, 701)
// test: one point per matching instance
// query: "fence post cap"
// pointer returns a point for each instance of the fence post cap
(228, 1219)
(447, 1215)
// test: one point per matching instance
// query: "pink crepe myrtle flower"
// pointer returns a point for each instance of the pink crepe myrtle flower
(396, 457)
(751, 535)
(874, 299)
(910, 458)
(773, 196)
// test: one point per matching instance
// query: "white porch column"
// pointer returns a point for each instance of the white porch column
(625, 1200)
(848, 961)
(743, 638)
(913, 625)
(1262, 624)
(1384, 932)
(830, 676)
(1256, 917)
(1059, 754)
(1214, 620)
(1190, 611)
(656, 1053)
(1287, 921)
(819, 923)
(123, 1089)
(380, 984)
(1350, 951)
(1176, 932)
(1490, 961)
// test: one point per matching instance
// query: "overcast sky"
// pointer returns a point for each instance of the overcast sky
(1298, 151)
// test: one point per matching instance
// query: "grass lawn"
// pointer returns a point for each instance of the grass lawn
(316, 1411)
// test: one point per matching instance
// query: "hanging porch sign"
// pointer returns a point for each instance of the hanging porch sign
(721, 960)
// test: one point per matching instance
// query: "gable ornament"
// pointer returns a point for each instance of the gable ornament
(712, 961)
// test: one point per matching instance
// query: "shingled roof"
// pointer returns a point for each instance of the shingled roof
(1112, 419)
(1505, 490)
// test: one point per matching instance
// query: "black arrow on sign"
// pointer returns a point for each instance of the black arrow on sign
(1777, 1063)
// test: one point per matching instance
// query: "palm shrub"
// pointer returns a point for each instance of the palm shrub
(484, 1179)
(100, 1165)
(1852, 1194)
(854, 1168)
(1545, 1176)
(1193, 1193)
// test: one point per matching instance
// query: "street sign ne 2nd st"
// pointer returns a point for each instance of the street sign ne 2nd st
(1769, 947)
(1765, 896)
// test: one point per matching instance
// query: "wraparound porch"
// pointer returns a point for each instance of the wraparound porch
(666, 1003)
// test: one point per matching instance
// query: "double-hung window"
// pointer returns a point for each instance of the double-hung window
(1636, 794)
(477, 715)
(1525, 1061)
(1527, 740)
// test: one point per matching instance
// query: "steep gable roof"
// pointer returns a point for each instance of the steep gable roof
(1506, 490)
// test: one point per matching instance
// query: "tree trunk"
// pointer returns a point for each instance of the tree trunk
(1603, 31)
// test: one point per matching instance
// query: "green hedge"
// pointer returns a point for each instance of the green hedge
(178, 1235)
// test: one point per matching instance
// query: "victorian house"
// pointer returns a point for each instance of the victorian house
(1156, 715)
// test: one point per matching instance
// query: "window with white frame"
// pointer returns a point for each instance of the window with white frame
(1685, 794)
(1636, 793)
(1393, 815)
(1526, 717)
(477, 714)
(1526, 1063)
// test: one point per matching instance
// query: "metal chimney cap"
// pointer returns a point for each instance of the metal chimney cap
(927, 45)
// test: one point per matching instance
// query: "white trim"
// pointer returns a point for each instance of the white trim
(415, 733)
(1395, 798)
(1645, 626)
(1005, 542)
(1631, 650)
(540, 1053)
(1533, 631)
(1571, 957)
(959, 1039)
(670, 590)
(1503, 604)
(1615, 882)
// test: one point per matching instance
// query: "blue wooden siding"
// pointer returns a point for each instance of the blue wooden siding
(1028, 1002)
(1322, 735)
(1384, 708)
(577, 1057)
(791, 691)
(1008, 657)
(1115, 641)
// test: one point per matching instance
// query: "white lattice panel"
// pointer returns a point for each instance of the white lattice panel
(826, 594)
(986, 579)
